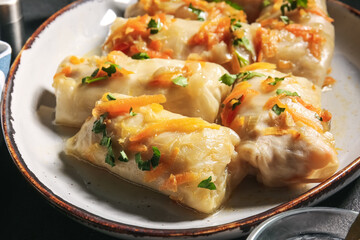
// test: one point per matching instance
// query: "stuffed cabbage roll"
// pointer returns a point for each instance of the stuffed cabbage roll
(187, 9)
(284, 133)
(222, 40)
(297, 37)
(192, 88)
(135, 139)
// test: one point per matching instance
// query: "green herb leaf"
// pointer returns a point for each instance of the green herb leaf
(207, 184)
(228, 79)
(140, 56)
(235, 25)
(242, 61)
(110, 158)
(110, 97)
(276, 80)
(291, 5)
(318, 117)
(99, 125)
(123, 157)
(285, 19)
(302, 3)
(266, 3)
(111, 69)
(233, 5)
(154, 26)
(278, 110)
(181, 81)
(106, 141)
(287, 93)
(245, 43)
(199, 13)
(142, 165)
(131, 112)
(91, 79)
(247, 75)
(155, 159)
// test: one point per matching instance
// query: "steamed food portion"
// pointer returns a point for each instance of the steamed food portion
(187, 9)
(283, 131)
(191, 87)
(193, 98)
(136, 139)
(223, 40)
(298, 38)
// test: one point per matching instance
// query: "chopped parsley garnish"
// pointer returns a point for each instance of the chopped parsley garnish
(140, 56)
(181, 81)
(245, 43)
(235, 25)
(233, 5)
(109, 71)
(228, 2)
(154, 26)
(99, 125)
(285, 19)
(318, 117)
(207, 183)
(247, 75)
(153, 162)
(266, 3)
(278, 110)
(123, 157)
(155, 159)
(199, 13)
(110, 97)
(131, 112)
(287, 93)
(276, 80)
(291, 5)
(242, 61)
(229, 79)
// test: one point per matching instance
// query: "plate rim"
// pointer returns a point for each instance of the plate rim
(329, 186)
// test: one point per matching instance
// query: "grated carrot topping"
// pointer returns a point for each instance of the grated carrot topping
(258, 65)
(319, 12)
(65, 71)
(75, 60)
(329, 81)
(279, 132)
(185, 125)
(120, 106)
(172, 183)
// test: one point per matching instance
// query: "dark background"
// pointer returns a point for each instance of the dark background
(26, 214)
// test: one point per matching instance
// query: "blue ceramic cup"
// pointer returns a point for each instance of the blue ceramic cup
(5, 57)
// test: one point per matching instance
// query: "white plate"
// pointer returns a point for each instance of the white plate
(109, 204)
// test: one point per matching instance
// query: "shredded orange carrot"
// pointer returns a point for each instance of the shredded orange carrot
(172, 183)
(75, 60)
(65, 71)
(329, 81)
(279, 132)
(299, 117)
(120, 106)
(237, 91)
(164, 80)
(173, 125)
(237, 123)
(326, 115)
(241, 91)
(137, 147)
(319, 12)
(212, 32)
(266, 87)
(258, 65)
(274, 100)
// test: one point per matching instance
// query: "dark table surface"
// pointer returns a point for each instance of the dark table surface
(26, 214)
